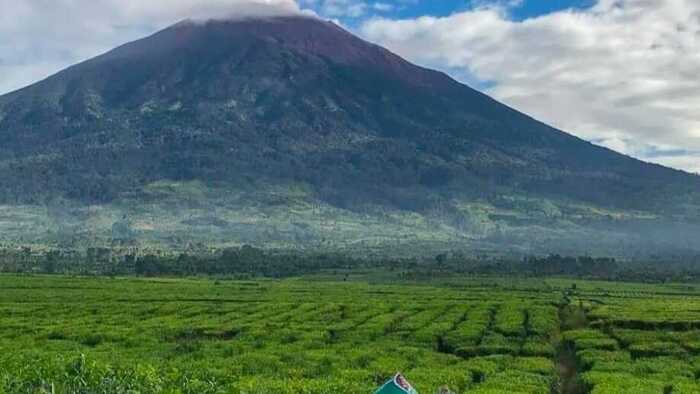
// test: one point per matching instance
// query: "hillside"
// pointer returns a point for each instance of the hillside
(291, 132)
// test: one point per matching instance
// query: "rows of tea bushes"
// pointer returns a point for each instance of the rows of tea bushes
(293, 336)
(639, 339)
(319, 335)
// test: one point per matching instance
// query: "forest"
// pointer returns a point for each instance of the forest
(251, 262)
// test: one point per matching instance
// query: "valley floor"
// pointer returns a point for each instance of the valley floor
(346, 335)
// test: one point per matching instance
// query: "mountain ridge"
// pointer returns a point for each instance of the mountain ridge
(285, 101)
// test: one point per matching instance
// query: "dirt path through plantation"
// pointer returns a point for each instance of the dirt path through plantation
(571, 317)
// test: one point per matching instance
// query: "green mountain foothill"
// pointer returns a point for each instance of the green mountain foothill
(291, 133)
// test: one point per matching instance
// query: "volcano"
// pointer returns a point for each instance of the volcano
(289, 131)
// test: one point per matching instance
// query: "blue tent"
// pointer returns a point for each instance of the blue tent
(397, 385)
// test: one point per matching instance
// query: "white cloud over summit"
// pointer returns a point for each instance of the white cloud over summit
(623, 73)
(39, 38)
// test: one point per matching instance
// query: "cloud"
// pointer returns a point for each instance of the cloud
(38, 39)
(622, 73)
(383, 7)
(338, 8)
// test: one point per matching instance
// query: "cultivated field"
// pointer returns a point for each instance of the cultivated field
(321, 335)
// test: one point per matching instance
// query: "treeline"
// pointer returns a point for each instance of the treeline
(249, 261)
(652, 270)
(245, 260)
(556, 265)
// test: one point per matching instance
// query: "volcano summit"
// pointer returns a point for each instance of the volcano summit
(290, 131)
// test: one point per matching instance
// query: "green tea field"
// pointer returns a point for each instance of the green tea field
(322, 335)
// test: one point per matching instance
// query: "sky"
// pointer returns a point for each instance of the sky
(619, 73)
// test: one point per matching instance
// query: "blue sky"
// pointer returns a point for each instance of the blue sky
(403, 9)
(533, 8)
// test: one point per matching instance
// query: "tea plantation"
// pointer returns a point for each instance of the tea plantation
(329, 335)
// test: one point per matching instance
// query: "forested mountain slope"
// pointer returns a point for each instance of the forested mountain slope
(291, 131)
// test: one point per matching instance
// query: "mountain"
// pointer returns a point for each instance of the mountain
(290, 131)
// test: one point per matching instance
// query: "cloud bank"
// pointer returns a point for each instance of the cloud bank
(622, 73)
(39, 38)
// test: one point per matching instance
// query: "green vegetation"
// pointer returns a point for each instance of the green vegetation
(639, 339)
(195, 336)
(250, 262)
(180, 215)
(345, 334)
